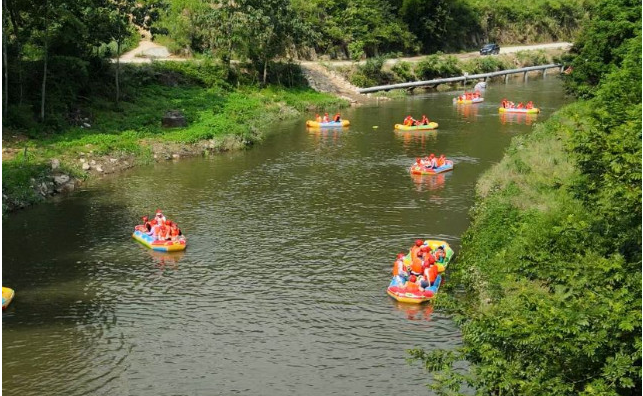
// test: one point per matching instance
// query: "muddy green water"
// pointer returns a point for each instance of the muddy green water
(282, 289)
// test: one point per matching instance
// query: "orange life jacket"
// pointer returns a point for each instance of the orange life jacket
(433, 273)
(336, 118)
(416, 265)
(412, 287)
(397, 265)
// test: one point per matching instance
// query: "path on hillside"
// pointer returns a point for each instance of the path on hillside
(467, 55)
(319, 77)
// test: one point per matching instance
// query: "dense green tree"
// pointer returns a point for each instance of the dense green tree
(441, 25)
(598, 50)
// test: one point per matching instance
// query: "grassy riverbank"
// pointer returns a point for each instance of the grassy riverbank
(219, 118)
(553, 284)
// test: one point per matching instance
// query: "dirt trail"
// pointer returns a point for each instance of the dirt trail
(323, 80)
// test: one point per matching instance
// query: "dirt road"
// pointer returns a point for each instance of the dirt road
(467, 55)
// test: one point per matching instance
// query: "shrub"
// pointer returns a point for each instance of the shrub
(485, 64)
(437, 66)
(403, 72)
(532, 58)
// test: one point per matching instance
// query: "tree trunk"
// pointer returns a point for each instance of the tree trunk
(118, 70)
(44, 73)
(6, 72)
(265, 71)
(44, 86)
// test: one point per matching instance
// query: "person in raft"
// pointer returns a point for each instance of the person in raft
(530, 105)
(318, 118)
(440, 254)
(413, 285)
(325, 119)
(337, 117)
(409, 121)
(423, 121)
(399, 269)
(430, 162)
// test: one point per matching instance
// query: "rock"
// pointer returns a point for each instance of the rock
(67, 187)
(86, 166)
(174, 119)
(113, 160)
(55, 164)
(43, 189)
(61, 179)
(99, 168)
(86, 125)
(82, 160)
(176, 156)
(92, 162)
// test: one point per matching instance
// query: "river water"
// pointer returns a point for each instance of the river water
(282, 289)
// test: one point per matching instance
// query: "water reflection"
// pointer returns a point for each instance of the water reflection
(326, 135)
(419, 312)
(429, 182)
(413, 139)
(517, 118)
(165, 260)
(469, 111)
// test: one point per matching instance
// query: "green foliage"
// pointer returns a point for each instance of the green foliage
(552, 261)
(370, 73)
(441, 25)
(532, 58)
(485, 64)
(403, 72)
(600, 47)
(436, 66)
(16, 180)
(553, 304)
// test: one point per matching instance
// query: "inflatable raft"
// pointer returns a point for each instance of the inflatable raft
(421, 170)
(331, 124)
(470, 101)
(429, 126)
(397, 291)
(7, 296)
(161, 246)
(535, 110)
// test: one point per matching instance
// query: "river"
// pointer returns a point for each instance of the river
(282, 289)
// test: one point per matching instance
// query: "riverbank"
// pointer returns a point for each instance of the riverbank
(108, 139)
(552, 291)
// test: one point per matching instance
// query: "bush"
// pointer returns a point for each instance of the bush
(437, 66)
(532, 58)
(403, 72)
(485, 64)
(20, 117)
(371, 73)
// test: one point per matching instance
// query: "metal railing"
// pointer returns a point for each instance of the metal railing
(464, 78)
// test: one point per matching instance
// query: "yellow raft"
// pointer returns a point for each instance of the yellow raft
(535, 110)
(7, 296)
(396, 291)
(161, 246)
(330, 124)
(429, 126)
(468, 101)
